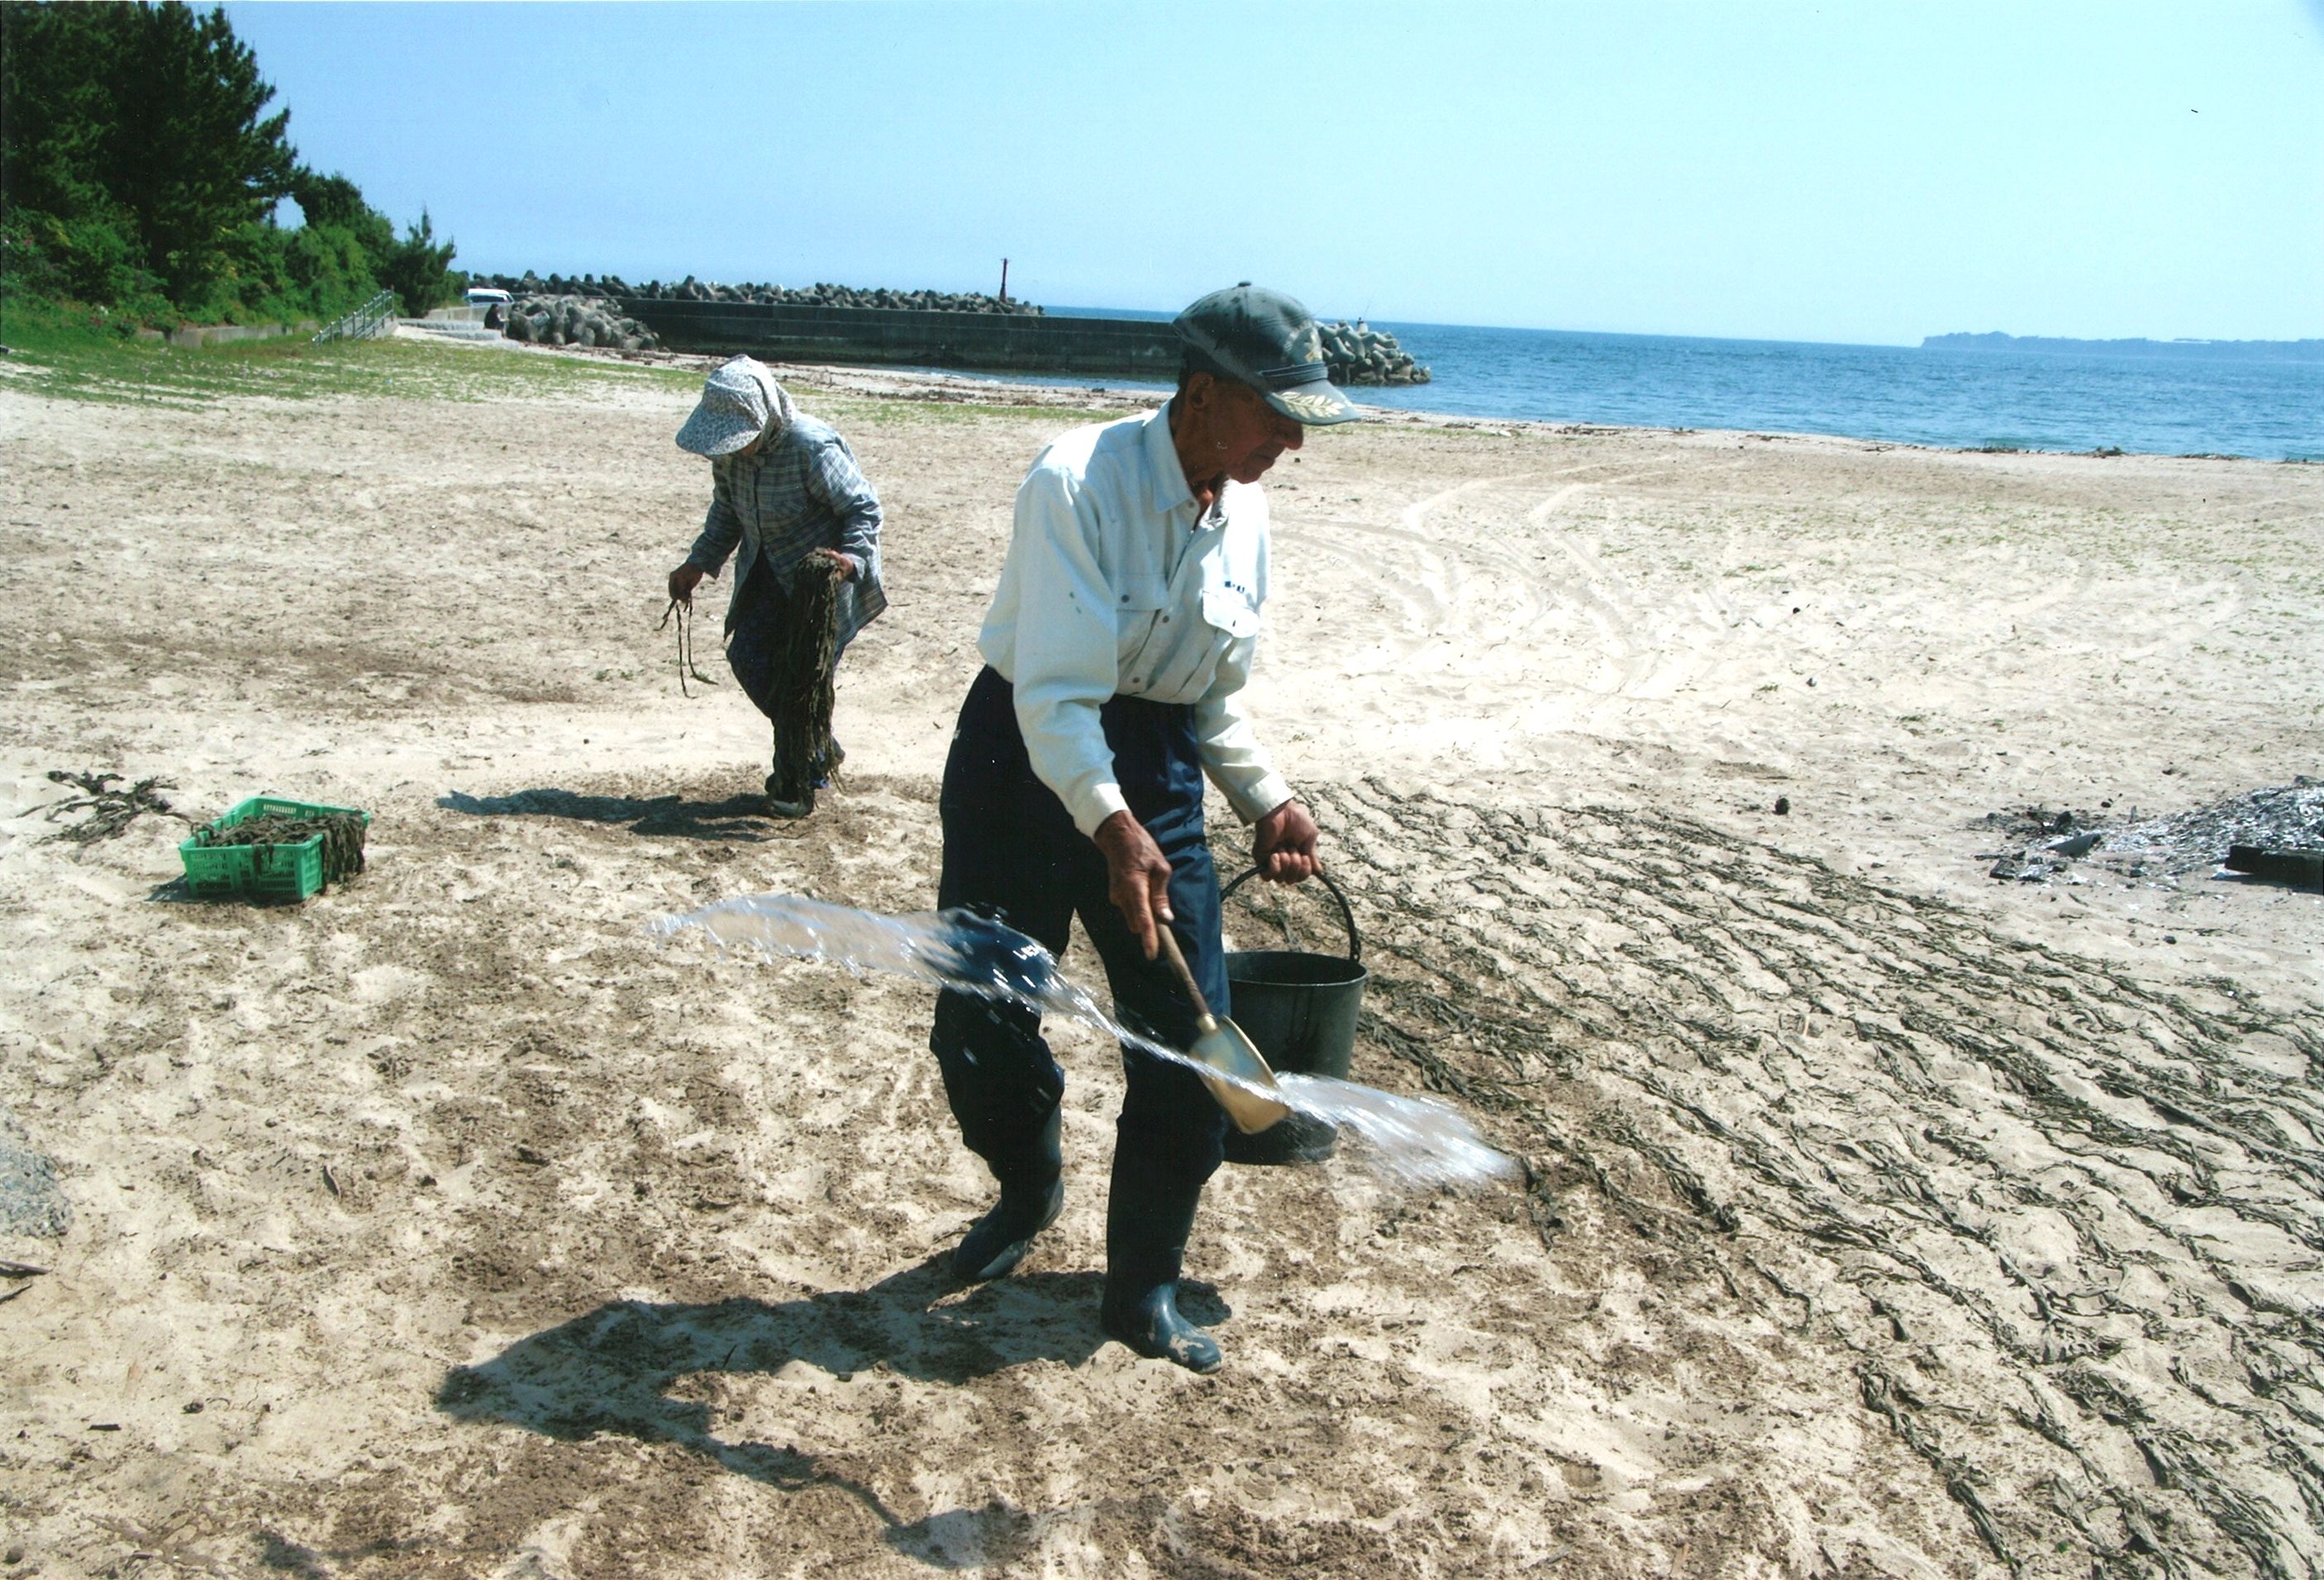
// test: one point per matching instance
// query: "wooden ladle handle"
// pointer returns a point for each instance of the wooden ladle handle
(1169, 943)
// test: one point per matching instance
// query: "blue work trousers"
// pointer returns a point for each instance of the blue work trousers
(1011, 852)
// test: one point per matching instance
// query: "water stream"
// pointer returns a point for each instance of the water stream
(1411, 1141)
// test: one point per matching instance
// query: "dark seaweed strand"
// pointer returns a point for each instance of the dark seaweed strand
(682, 610)
(1802, 1078)
(111, 809)
(342, 832)
(803, 684)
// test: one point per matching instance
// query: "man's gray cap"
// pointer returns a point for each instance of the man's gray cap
(733, 410)
(1269, 341)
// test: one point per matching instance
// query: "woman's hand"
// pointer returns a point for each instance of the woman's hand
(847, 563)
(683, 581)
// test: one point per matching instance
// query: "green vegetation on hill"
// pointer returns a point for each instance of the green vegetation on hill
(139, 178)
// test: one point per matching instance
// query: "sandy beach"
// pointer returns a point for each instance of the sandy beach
(1873, 1215)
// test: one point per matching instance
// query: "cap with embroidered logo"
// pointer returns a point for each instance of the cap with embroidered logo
(1269, 341)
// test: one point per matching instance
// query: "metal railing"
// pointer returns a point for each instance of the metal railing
(375, 317)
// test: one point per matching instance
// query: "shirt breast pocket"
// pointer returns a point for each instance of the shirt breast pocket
(1230, 611)
(1137, 599)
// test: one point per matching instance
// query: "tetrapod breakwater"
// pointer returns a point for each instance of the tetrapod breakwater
(905, 328)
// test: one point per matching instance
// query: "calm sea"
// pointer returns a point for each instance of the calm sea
(2033, 400)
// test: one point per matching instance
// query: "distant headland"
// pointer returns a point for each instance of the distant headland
(2300, 350)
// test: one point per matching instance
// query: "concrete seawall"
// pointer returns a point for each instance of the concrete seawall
(1118, 348)
(187, 335)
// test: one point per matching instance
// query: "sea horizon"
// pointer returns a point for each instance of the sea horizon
(1985, 398)
(2182, 343)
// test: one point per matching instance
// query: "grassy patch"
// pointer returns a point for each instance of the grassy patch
(70, 355)
(872, 411)
(82, 363)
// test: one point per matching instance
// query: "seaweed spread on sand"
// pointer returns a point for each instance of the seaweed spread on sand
(2055, 1211)
(111, 808)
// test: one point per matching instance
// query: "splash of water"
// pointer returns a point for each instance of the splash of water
(1410, 1140)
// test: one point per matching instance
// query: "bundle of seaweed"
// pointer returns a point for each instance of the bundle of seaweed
(804, 749)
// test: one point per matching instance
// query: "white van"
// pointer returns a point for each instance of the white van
(485, 296)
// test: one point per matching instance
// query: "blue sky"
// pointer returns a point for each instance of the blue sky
(1873, 171)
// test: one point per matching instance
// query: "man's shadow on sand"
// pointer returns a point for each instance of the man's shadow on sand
(737, 817)
(610, 1370)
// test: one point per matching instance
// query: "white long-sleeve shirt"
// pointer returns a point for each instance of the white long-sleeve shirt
(1116, 583)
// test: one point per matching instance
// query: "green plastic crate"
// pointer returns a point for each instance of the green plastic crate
(291, 871)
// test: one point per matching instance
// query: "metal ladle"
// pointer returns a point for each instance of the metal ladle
(1243, 1079)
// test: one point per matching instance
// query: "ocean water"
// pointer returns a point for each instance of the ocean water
(2176, 405)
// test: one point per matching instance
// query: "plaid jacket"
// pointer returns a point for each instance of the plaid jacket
(803, 491)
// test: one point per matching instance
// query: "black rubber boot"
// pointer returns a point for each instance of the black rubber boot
(1154, 1328)
(1032, 1194)
(779, 804)
(1147, 1221)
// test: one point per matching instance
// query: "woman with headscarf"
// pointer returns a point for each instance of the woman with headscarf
(786, 488)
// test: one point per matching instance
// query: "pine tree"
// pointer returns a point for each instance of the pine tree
(134, 145)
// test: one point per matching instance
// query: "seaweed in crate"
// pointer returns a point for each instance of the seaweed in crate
(343, 838)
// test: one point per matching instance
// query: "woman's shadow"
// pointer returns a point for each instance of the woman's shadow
(610, 1370)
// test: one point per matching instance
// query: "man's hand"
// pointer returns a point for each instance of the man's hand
(682, 583)
(847, 563)
(1283, 846)
(1137, 879)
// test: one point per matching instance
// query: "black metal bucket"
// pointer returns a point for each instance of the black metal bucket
(1299, 1010)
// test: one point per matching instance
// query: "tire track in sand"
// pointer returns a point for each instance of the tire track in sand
(1434, 580)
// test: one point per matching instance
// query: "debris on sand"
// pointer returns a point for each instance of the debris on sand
(2300, 870)
(2041, 844)
(31, 1203)
(2287, 817)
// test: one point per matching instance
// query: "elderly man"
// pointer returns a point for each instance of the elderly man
(1118, 643)
(786, 488)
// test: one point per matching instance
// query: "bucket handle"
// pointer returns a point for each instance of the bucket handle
(1355, 946)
